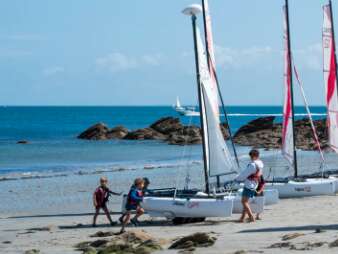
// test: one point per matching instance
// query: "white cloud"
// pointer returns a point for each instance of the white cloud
(116, 62)
(309, 57)
(236, 58)
(51, 71)
(152, 59)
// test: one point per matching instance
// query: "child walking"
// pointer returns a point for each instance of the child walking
(100, 199)
(135, 197)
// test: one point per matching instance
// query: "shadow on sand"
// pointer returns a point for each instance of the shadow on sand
(154, 223)
(296, 228)
(57, 215)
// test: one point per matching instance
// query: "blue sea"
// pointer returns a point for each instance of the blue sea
(53, 146)
(57, 173)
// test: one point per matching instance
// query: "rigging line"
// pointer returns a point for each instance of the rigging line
(180, 165)
(314, 131)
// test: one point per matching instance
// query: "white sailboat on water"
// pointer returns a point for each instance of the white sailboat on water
(297, 187)
(186, 110)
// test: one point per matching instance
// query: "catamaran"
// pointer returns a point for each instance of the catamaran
(193, 204)
(297, 187)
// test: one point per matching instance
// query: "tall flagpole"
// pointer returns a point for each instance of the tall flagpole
(192, 11)
(213, 71)
(291, 87)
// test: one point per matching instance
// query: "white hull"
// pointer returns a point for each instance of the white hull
(203, 207)
(256, 204)
(335, 182)
(271, 196)
(192, 208)
(307, 188)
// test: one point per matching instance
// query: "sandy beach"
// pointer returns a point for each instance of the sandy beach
(298, 218)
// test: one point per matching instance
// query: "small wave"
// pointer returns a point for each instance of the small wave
(274, 114)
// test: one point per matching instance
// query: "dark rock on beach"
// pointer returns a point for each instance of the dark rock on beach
(194, 240)
(23, 142)
(137, 242)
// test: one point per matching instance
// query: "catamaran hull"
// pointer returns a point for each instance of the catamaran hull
(188, 208)
(271, 196)
(307, 188)
(256, 204)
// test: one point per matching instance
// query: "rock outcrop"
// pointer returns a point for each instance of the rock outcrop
(168, 129)
(100, 131)
(264, 133)
(260, 133)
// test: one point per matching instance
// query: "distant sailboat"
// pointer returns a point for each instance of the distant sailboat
(184, 111)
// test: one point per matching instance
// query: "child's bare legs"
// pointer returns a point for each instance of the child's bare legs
(125, 221)
(97, 211)
(139, 212)
(258, 216)
(106, 211)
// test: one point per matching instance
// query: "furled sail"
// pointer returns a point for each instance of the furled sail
(287, 131)
(210, 43)
(330, 78)
(219, 160)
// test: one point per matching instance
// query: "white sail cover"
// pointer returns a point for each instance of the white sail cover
(330, 78)
(219, 160)
(287, 131)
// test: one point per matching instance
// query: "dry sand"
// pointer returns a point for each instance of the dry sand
(59, 233)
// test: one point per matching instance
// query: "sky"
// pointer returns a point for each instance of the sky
(127, 52)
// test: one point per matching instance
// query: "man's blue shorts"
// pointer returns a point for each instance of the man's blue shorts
(248, 193)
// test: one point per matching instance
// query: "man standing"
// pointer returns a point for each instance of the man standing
(250, 176)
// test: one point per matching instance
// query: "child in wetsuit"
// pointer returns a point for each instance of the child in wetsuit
(100, 199)
(135, 197)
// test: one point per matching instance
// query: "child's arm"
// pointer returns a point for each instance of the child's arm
(94, 199)
(115, 193)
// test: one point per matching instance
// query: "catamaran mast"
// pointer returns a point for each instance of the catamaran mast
(333, 40)
(213, 72)
(291, 87)
(199, 92)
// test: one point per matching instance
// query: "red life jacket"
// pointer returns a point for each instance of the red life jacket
(261, 183)
(255, 176)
